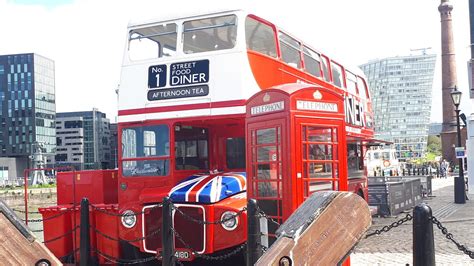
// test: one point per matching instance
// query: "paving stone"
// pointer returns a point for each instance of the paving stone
(395, 247)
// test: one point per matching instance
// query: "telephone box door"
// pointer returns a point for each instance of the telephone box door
(318, 151)
(266, 140)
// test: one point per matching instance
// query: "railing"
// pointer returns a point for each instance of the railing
(423, 237)
(27, 173)
(168, 256)
(423, 241)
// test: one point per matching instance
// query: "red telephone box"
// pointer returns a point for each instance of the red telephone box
(295, 146)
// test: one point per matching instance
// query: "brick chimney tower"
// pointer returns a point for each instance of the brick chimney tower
(449, 80)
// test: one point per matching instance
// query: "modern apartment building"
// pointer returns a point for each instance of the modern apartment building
(83, 140)
(401, 99)
(113, 145)
(27, 109)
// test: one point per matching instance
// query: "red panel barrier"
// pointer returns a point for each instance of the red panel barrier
(60, 225)
(108, 225)
(99, 186)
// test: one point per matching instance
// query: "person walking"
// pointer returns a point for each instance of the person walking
(444, 168)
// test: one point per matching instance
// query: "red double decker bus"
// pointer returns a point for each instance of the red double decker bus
(217, 108)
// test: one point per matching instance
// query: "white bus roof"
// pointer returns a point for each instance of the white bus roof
(181, 15)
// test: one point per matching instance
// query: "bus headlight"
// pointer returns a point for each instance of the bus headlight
(129, 219)
(229, 220)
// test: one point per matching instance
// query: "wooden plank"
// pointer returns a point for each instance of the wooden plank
(322, 231)
(17, 245)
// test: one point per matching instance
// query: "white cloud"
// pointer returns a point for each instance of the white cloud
(86, 38)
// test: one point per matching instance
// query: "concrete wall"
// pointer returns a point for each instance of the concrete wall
(16, 166)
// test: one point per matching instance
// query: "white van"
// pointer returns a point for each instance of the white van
(381, 162)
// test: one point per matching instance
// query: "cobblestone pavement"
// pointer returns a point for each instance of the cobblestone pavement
(395, 246)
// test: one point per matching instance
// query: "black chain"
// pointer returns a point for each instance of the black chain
(387, 228)
(264, 248)
(46, 219)
(178, 261)
(264, 215)
(61, 236)
(124, 261)
(120, 239)
(68, 255)
(201, 222)
(95, 208)
(21, 211)
(450, 237)
(37, 231)
(207, 257)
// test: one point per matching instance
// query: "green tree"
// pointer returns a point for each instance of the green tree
(434, 144)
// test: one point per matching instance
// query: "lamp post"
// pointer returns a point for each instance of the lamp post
(459, 182)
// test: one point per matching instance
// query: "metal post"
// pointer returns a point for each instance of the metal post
(26, 195)
(459, 183)
(74, 210)
(429, 185)
(423, 238)
(167, 234)
(85, 242)
(254, 250)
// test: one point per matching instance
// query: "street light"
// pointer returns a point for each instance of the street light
(459, 182)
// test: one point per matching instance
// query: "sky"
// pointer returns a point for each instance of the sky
(86, 38)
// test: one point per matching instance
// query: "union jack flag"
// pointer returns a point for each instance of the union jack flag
(208, 188)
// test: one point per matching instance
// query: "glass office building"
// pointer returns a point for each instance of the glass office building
(401, 99)
(27, 104)
(83, 140)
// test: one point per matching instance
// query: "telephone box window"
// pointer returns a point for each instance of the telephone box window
(265, 136)
(320, 163)
(266, 177)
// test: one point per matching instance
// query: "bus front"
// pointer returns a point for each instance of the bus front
(181, 128)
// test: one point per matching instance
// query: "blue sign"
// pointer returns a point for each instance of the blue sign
(460, 152)
(157, 76)
(189, 73)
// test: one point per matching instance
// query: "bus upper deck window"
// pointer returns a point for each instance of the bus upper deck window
(260, 37)
(209, 34)
(336, 74)
(290, 50)
(362, 88)
(311, 62)
(152, 42)
(324, 64)
(351, 83)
